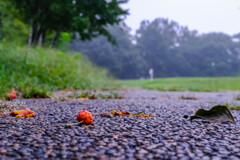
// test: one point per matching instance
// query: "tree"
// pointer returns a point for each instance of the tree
(212, 54)
(173, 50)
(122, 60)
(12, 29)
(156, 41)
(88, 18)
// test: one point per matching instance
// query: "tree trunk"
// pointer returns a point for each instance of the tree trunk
(54, 39)
(30, 36)
(36, 35)
(33, 35)
(42, 37)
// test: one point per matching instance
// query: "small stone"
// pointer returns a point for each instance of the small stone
(216, 158)
(205, 158)
(142, 151)
(3, 151)
(101, 143)
(111, 152)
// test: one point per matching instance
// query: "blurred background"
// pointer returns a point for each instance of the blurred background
(79, 43)
(176, 38)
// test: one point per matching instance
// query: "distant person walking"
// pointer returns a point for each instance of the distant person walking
(151, 73)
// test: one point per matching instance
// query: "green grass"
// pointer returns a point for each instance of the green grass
(28, 70)
(186, 84)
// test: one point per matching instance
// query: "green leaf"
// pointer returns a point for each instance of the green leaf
(78, 55)
(216, 113)
(136, 114)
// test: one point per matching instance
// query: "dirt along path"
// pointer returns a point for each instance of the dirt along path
(166, 135)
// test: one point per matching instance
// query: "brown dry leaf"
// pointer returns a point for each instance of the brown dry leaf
(116, 113)
(125, 113)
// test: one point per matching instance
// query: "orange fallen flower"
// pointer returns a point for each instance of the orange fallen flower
(26, 113)
(83, 117)
(23, 113)
(83, 98)
(16, 112)
(67, 90)
(13, 94)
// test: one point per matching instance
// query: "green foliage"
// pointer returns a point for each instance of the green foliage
(88, 18)
(91, 95)
(35, 92)
(81, 95)
(122, 60)
(65, 39)
(26, 69)
(13, 30)
(173, 50)
(109, 96)
(186, 84)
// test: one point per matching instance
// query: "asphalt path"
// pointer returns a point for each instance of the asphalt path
(166, 135)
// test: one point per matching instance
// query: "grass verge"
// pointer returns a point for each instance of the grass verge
(186, 84)
(28, 70)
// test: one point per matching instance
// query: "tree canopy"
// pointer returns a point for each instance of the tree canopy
(88, 18)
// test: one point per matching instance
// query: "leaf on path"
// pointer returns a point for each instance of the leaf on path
(188, 97)
(120, 113)
(144, 115)
(217, 113)
(125, 113)
(136, 114)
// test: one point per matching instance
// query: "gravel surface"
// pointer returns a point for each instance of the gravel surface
(167, 135)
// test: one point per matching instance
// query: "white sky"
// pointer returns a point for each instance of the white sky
(203, 15)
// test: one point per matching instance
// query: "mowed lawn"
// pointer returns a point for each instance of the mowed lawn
(186, 84)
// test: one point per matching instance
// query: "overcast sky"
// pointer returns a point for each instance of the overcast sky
(203, 15)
